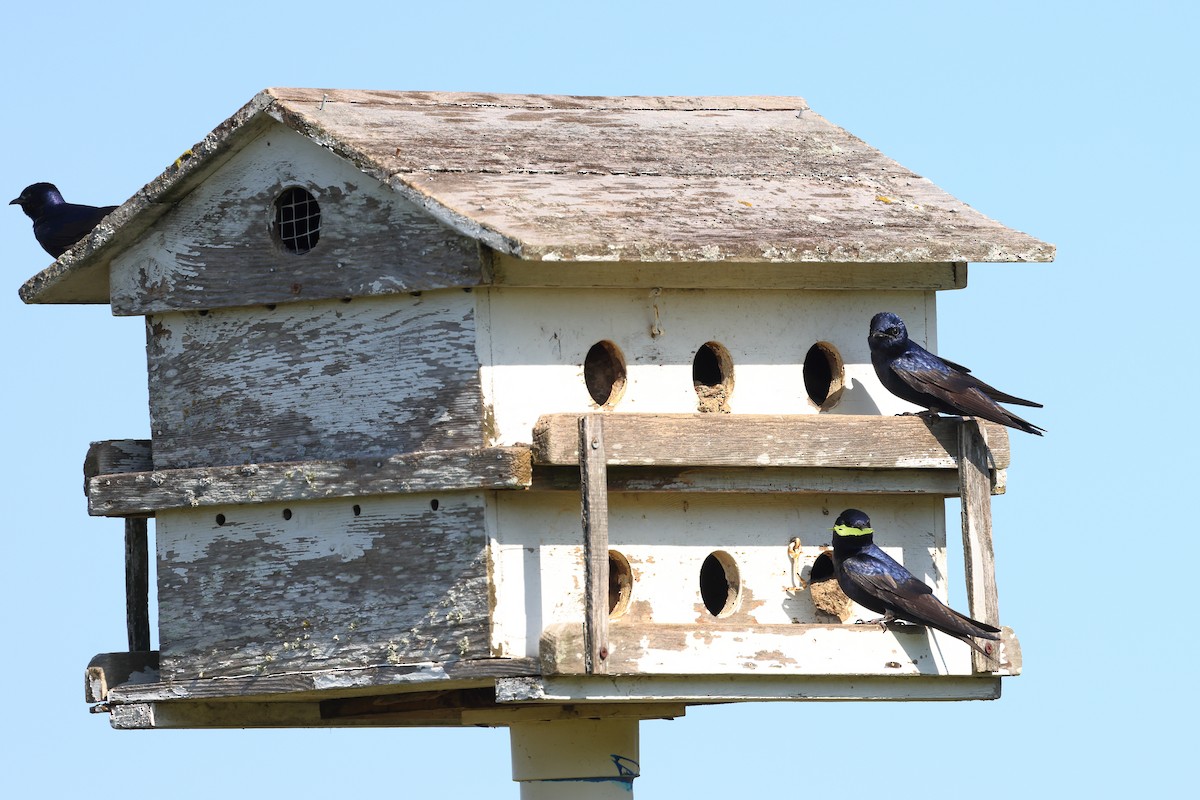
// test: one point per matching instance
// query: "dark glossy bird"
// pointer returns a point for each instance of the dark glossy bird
(912, 373)
(875, 580)
(58, 224)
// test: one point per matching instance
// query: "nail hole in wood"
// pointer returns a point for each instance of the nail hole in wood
(287, 513)
(220, 519)
(434, 504)
(357, 509)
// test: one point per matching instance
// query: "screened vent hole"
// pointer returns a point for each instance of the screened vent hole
(297, 220)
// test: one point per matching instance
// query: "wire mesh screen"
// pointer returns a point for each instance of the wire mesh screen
(297, 220)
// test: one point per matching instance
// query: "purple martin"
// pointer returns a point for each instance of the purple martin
(875, 580)
(912, 373)
(57, 224)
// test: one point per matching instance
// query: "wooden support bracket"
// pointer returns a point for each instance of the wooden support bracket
(979, 559)
(593, 476)
(137, 584)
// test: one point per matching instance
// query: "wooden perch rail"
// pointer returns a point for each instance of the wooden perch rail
(147, 490)
(766, 440)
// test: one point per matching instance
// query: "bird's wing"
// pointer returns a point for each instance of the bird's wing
(954, 389)
(908, 598)
(61, 231)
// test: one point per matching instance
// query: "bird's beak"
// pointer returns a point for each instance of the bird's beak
(16, 202)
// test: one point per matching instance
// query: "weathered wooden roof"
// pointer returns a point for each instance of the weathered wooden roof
(637, 179)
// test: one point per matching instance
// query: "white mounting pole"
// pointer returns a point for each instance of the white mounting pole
(575, 759)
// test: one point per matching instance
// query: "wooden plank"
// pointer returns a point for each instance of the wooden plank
(407, 473)
(137, 585)
(215, 247)
(509, 271)
(761, 440)
(328, 585)
(323, 684)
(979, 559)
(761, 480)
(107, 671)
(696, 690)
(303, 382)
(117, 455)
(247, 714)
(594, 489)
(802, 649)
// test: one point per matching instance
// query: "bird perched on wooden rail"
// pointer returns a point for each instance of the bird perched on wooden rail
(57, 224)
(875, 580)
(912, 373)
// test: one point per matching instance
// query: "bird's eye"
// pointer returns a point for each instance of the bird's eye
(893, 331)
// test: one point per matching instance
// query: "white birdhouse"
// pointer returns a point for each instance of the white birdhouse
(474, 409)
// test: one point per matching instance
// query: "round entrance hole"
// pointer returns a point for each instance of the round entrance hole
(824, 375)
(720, 583)
(620, 584)
(297, 220)
(604, 373)
(712, 377)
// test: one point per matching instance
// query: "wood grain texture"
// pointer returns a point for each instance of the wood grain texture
(216, 249)
(115, 456)
(593, 477)
(983, 601)
(436, 471)
(761, 440)
(331, 380)
(259, 590)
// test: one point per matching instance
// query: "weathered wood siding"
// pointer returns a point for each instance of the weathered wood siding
(328, 380)
(537, 563)
(216, 249)
(533, 343)
(315, 586)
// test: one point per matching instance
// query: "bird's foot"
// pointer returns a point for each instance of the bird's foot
(926, 414)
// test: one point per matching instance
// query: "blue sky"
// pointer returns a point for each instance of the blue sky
(1071, 121)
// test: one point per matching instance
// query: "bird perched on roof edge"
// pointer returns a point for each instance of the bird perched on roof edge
(57, 224)
(875, 580)
(912, 373)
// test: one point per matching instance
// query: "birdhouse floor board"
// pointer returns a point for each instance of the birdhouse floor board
(701, 690)
(848, 650)
(760, 440)
(146, 492)
(300, 686)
